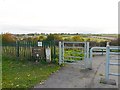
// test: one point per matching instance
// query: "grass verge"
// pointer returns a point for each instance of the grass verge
(24, 74)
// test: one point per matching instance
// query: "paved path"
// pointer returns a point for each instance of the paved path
(72, 76)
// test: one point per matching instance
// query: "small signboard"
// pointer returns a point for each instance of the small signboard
(39, 43)
(38, 52)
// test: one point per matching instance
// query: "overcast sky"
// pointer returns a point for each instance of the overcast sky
(50, 16)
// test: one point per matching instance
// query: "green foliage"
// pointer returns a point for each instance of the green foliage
(88, 39)
(22, 74)
(77, 38)
(58, 37)
(103, 43)
(29, 39)
(68, 39)
(115, 42)
(36, 39)
(0, 71)
(41, 38)
(74, 53)
(54, 37)
(8, 38)
(50, 37)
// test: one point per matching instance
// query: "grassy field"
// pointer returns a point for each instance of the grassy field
(24, 74)
(71, 54)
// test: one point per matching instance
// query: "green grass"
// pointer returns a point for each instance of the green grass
(73, 52)
(24, 74)
(0, 71)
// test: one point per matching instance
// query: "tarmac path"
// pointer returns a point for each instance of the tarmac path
(73, 76)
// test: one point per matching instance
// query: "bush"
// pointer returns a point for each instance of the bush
(8, 38)
(56, 37)
(77, 38)
(115, 42)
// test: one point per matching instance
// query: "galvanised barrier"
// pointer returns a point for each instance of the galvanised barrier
(91, 52)
(82, 53)
(112, 50)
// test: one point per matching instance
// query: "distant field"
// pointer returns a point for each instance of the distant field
(94, 37)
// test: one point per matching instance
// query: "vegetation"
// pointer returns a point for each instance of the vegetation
(54, 37)
(8, 38)
(77, 38)
(73, 54)
(115, 42)
(0, 63)
(22, 74)
(25, 73)
(98, 38)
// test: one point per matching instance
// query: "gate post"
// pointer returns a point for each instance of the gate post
(62, 45)
(85, 54)
(107, 62)
(87, 49)
(91, 54)
(60, 61)
(89, 62)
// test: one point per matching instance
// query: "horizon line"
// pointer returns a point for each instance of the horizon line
(57, 33)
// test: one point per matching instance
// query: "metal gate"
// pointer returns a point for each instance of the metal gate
(73, 51)
(112, 59)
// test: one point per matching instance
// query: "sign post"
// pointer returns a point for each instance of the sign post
(48, 54)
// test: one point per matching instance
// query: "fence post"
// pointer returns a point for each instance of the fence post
(87, 49)
(59, 53)
(63, 52)
(102, 52)
(107, 62)
(54, 50)
(17, 49)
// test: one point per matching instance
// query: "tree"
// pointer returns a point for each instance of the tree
(35, 38)
(103, 43)
(8, 38)
(54, 37)
(88, 40)
(41, 38)
(115, 42)
(50, 37)
(58, 37)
